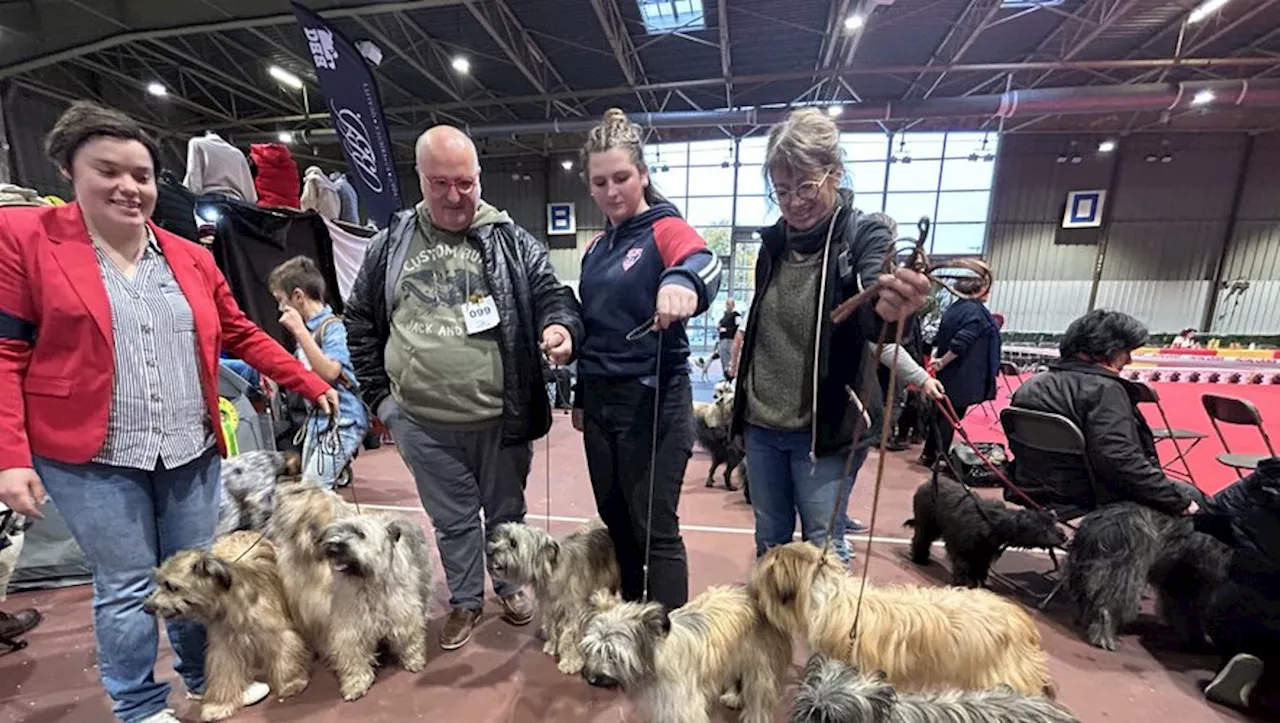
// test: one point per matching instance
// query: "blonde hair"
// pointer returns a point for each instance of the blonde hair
(615, 130)
(806, 142)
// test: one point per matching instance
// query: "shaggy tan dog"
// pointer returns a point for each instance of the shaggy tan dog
(675, 666)
(563, 575)
(302, 512)
(923, 638)
(234, 590)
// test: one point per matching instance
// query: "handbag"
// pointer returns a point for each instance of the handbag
(969, 468)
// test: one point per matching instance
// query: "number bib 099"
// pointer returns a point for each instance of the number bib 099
(480, 315)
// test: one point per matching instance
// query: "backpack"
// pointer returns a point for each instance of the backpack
(969, 468)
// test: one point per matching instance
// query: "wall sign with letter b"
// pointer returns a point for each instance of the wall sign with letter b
(561, 219)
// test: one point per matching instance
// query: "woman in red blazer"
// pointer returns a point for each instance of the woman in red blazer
(110, 332)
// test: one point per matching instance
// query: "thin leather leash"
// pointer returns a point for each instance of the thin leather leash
(634, 335)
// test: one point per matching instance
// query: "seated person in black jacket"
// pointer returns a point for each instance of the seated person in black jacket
(1084, 385)
(1244, 614)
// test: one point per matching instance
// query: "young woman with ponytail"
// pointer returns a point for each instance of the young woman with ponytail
(647, 267)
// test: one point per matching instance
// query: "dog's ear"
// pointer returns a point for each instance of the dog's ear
(291, 465)
(215, 569)
(880, 695)
(602, 600)
(655, 618)
(552, 552)
(398, 528)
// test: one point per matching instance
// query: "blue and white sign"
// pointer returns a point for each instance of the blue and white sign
(561, 219)
(1084, 209)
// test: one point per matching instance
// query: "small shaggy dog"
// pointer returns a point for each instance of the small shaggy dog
(234, 590)
(975, 529)
(711, 423)
(923, 638)
(248, 488)
(834, 692)
(1119, 548)
(302, 512)
(383, 581)
(563, 574)
(717, 646)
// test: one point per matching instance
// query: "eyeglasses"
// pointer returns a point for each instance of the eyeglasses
(440, 186)
(806, 191)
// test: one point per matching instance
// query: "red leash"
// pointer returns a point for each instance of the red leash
(949, 411)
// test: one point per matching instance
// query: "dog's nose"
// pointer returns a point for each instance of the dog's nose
(332, 547)
(148, 607)
(599, 681)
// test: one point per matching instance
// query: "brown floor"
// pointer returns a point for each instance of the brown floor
(502, 675)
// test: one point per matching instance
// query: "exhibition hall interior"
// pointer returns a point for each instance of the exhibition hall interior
(590, 361)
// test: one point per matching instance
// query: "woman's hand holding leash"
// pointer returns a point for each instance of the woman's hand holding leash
(902, 293)
(328, 403)
(675, 304)
(22, 491)
(933, 389)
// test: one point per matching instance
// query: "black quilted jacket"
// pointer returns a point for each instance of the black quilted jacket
(529, 299)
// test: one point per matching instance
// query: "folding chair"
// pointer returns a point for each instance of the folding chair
(1233, 410)
(1028, 429)
(1147, 395)
(1007, 370)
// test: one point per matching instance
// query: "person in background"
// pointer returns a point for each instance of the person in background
(110, 330)
(446, 323)
(648, 269)
(728, 331)
(299, 288)
(970, 362)
(1244, 612)
(795, 367)
(13, 625)
(1186, 339)
(1084, 385)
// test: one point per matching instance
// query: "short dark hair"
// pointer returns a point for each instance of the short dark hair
(972, 285)
(1100, 335)
(85, 121)
(299, 272)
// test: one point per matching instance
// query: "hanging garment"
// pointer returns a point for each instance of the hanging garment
(349, 244)
(250, 242)
(320, 195)
(277, 178)
(11, 195)
(213, 165)
(175, 207)
(347, 195)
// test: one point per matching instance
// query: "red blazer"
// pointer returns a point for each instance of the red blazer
(56, 344)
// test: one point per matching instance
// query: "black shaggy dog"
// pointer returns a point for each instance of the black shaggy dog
(1120, 548)
(975, 529)
(711, 422)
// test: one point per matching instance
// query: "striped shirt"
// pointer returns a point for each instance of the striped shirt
(158, 414)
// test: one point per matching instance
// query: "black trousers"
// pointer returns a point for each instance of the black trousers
(1241, 619)
(617, 431)
(938, 441)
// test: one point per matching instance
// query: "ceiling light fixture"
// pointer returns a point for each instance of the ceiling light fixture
(461, 65)
(1106, 146)
(285, 77)
(835, 110)
(157, 89)
(853, 22)
(566, 165)
(285, 137)
(1204, 97)
(1206, 8)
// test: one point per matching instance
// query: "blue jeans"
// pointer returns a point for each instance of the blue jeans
(322, 465)
(785, 482)
(128, 521)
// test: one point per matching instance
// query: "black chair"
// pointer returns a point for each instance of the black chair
(1027, 429)
(1233, 410)
(1010, 370)
(1148, 395)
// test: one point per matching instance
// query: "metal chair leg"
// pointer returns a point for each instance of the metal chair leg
(1052, 594)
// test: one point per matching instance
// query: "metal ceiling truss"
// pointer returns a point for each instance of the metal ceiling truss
(502, 25)
(974, 19)
(618, 36)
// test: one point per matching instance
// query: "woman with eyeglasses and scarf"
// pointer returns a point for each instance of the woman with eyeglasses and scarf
(798, 371)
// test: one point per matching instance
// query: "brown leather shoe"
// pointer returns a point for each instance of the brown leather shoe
(457, 629)
(18, 624)
(517, 609)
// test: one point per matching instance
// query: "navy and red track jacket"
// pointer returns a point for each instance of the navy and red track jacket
(622, 271)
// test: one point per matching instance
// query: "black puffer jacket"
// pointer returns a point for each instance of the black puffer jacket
(1121, 448)
(858, 249)
(1246, 516)
(529, 298)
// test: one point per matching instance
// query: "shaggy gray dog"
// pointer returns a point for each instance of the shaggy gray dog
(1120, 548)
(834, 692)
(563, 574)
(383, 581)
(249, 487)
(975, 529)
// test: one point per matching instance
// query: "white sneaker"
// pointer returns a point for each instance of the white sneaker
(164, 716)
(254, 694)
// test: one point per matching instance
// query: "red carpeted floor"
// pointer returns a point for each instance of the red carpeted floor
(1182, 405)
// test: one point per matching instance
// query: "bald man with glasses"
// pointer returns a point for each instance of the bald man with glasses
(447, 322)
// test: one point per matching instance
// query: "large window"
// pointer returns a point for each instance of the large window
(945, 176)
